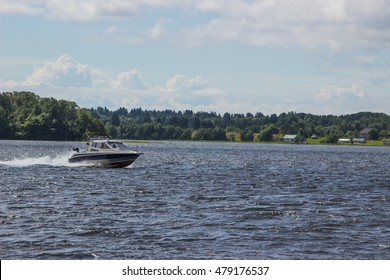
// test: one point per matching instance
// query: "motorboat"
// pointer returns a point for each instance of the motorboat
(104, 152)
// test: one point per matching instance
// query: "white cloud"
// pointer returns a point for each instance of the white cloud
(25, 7)
(157, 31)
(64, 72)
(112, 30)
(307, 23)
(332, 92)
(365, 59)
(64, 78)
(129, 80)
(179, 83)
(90, 9)
(10, 84)
(81, 10)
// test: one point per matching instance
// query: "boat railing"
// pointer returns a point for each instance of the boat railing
(94, 138)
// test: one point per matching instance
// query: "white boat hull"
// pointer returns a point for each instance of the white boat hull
(114, 159)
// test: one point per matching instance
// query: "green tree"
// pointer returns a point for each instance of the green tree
(195, 122)
(247, 135)
(115, 120)
(5, 129)
(373, 134)
(186, 134)
(266, 135)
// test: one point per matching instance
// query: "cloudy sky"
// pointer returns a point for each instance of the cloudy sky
(238, 56)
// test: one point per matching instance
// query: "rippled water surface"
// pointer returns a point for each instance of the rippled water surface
(196, 201)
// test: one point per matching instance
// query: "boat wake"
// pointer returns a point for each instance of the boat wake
(57, 161)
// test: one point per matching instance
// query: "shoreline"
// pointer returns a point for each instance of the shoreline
(316, 142)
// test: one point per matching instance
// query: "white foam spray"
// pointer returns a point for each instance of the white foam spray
(59, 160)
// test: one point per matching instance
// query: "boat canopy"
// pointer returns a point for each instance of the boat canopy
(98, 145)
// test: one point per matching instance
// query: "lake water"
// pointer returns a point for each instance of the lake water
(185, 200)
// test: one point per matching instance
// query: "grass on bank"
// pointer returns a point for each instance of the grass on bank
(278, 139)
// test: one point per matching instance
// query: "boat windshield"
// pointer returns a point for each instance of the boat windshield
(99, 146)
(118, 146)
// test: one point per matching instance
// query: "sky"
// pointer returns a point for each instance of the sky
(237, 56)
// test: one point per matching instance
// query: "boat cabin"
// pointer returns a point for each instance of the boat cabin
(106, 145)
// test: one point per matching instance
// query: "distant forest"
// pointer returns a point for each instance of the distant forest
(24, 115)
(189, 125)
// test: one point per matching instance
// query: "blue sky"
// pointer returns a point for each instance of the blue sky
(270, 56)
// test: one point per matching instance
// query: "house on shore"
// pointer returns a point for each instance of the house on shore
(352, 141)
(364, 133)
(289, 138)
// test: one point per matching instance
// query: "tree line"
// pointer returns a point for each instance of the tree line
(188, 125)
(25, 115)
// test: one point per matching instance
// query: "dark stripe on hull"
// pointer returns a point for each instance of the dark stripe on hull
(105, 160)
